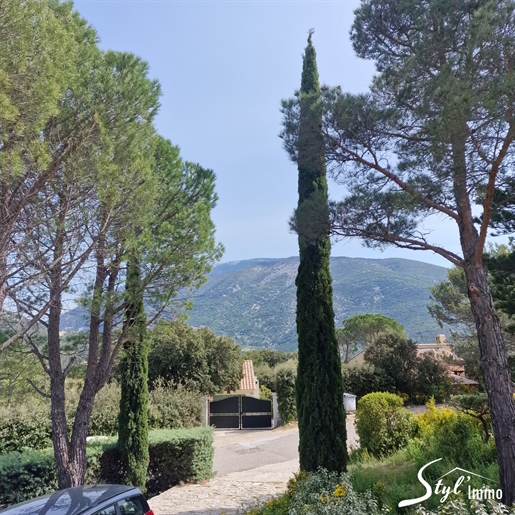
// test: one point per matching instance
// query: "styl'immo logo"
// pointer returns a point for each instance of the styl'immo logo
(444, 490)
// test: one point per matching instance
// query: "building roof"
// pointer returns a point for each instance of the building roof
(462, 380)
(456, 369)
(247, 382)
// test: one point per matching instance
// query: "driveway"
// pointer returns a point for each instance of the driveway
(250, 466)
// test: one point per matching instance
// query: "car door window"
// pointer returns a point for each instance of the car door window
(132, 506)
(110, 510)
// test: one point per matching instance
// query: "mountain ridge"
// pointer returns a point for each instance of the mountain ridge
(254, 300)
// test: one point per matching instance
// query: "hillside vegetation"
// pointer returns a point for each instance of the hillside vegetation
(253, 301)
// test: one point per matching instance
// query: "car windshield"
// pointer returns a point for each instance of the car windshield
(66, 502)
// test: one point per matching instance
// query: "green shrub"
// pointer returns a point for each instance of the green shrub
(25, 426)
(265, 394)
(104, 417)
(382, 424)
(29, 425)
(363, 379)
(266, 376)
(431, 380)
(457, 437)
(180, 455)
(320, 493)
(27, 474)
(174, 406)
(330, 493)
(285, 387)
(275, 506)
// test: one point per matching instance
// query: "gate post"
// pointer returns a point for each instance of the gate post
(275, 410)
(206, 410)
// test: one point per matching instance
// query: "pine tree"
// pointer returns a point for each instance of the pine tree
(133, 418)
(319, 387)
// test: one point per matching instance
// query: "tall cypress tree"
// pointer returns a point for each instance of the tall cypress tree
(133, 418)
(319, 387)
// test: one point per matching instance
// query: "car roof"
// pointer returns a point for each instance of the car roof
(71, 501)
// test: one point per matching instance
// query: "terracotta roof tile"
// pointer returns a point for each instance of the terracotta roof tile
(247, 382)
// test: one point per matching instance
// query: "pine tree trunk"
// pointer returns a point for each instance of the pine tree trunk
(69, 453)
(3, 278)
(5, 236)
(496, 374)
(492, 353)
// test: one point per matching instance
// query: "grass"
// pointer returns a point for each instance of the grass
(389, 479)
(454, 440)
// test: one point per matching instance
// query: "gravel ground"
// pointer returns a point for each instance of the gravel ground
(250, 467)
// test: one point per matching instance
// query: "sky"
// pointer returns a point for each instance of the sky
(224, 67)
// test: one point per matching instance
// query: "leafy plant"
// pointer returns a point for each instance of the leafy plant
(330, 493)
(285, 377)
(382, 424)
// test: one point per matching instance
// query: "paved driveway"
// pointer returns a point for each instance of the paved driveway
(250, 467)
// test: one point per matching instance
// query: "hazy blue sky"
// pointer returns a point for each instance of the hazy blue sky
(224, 67)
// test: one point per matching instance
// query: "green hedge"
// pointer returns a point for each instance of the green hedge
(285, 377)
(179, 455)
(24, 427)
(27, 474)
(29, 425)
(176, 455)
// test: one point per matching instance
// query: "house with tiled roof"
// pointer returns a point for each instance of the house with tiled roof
(441, 351)
(249, 383)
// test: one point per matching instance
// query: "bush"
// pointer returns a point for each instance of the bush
(458, 506)
(25, 426)
(180, 455)
(455, 436)
(285, 387)
(27, 474)
(382, 424)
(174, 407)
(275, 506)
(104, 417)
(321, 492)
(431, 380)
(266, 376)
(183, 455)
(329, 493)
(29, 425)
(199, 358)
(363, 379)
(265, 394)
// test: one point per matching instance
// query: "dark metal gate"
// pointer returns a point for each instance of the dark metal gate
(240, 412)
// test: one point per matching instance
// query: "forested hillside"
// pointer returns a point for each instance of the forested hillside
(253, 301)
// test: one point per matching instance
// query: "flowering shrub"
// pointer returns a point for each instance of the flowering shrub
(457, 437)
(434, 418)
(320, 493)
(328, 493)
